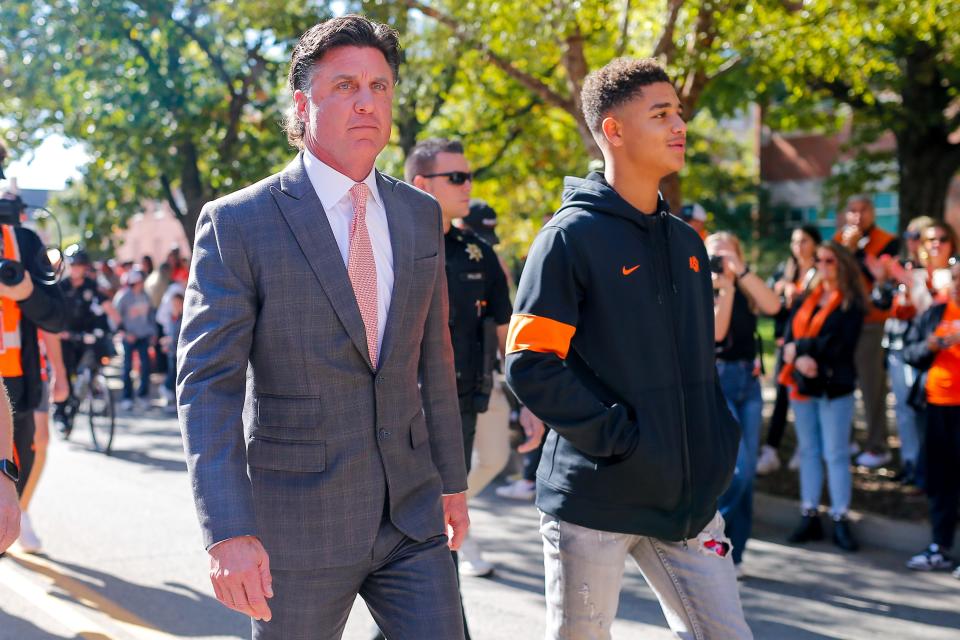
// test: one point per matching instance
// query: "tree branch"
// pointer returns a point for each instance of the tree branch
(511, 138)
(666, 46)
(624, 29)
(215, 60)
(525, 79)
(168, 190)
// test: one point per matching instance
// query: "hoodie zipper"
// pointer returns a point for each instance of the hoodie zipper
(664, 254)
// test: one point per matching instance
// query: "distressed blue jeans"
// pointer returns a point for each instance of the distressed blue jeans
(741, 389)
(696, 586)
(902, 377)
(823, 437)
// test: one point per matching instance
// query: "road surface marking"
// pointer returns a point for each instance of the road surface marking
(67, 615)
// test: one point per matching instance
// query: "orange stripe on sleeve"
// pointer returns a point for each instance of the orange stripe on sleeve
(543, 335)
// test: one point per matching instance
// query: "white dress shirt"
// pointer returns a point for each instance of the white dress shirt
(333, 189)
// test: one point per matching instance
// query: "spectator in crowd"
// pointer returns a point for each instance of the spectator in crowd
(168, 343)
(867, 242)
(933, 345)
(909, 278)
(107, 278)
(790, 281)
(146, 265)
(157, 283)
(138, 329)
(818, 356)
(695, 216)
(179, 271)
(739, 295)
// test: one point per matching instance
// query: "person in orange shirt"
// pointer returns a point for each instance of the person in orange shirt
(933, 345)
(868, 243)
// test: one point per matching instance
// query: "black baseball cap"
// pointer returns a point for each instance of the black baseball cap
(482, 220)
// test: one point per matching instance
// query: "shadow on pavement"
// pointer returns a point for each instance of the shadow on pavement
(176, 609)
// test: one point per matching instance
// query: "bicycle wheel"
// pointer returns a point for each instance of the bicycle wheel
(101, 414)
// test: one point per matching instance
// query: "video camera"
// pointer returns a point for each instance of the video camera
(11, 271)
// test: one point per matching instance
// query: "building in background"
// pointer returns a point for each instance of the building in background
(794, 170)
(154, 232)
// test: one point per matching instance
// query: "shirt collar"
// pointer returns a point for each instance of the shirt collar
(331, 185)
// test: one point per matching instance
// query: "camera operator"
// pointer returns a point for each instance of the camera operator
(29, 298)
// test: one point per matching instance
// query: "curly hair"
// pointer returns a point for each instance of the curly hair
(613, 84)
(347, 31)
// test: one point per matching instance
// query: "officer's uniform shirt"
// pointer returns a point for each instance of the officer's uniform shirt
(84, 306)
(477, 289)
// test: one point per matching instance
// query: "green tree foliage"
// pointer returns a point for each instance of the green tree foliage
(896, 63)
(173, 100)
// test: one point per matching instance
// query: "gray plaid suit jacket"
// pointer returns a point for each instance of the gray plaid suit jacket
(289, 433)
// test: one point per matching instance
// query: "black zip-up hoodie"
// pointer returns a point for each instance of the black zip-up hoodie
(612, 346)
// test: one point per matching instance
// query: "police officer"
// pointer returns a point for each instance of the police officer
(87, 310)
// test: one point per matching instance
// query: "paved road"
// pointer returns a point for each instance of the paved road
(123, 561)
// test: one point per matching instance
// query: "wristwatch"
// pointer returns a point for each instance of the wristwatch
(9, 469)
(746, 270)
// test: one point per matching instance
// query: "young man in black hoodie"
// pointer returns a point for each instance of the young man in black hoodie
(611, 344)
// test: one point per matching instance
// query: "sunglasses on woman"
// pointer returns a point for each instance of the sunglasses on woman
(455, 177)
(826, 261)
(940, 239)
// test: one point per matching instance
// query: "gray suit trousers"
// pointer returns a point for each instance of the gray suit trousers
(410, 588)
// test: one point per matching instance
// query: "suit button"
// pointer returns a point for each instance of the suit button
(384, 434)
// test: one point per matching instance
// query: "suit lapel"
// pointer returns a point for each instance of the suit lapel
(307, 220)
(401, 224)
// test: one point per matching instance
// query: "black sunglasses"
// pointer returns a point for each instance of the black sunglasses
(455, 177)
(911, 235)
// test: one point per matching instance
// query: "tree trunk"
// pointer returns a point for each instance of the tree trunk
(672, 192)
(925, 171)
(191, 184)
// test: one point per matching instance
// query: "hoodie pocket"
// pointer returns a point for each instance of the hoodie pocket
(650, 476)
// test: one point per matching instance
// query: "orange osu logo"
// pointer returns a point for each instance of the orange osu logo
(694, 264)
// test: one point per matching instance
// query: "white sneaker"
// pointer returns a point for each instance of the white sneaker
(874, 460)
(794, 464)
(472, 563)
(738, 568)
(518, 490)
(126, 405)
(768, 462)
(29, 541)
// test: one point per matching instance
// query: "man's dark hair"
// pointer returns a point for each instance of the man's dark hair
(423, 157)
(348, 31)
(613, 84)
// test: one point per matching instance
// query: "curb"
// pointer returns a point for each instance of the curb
(871, 530)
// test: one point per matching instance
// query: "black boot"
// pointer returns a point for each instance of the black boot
(809, 528)
(843, 536)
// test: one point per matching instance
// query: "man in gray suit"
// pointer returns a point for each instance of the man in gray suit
(316, 387)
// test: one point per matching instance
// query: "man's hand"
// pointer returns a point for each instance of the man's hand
(533, 428)
(59, 389)
(9, 513)
(240, 573)
(456, 519)
(20, 291)
(850, 237)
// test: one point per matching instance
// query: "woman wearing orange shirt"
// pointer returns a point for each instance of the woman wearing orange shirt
(933, 345)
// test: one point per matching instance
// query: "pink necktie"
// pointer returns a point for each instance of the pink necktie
(362, 268)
